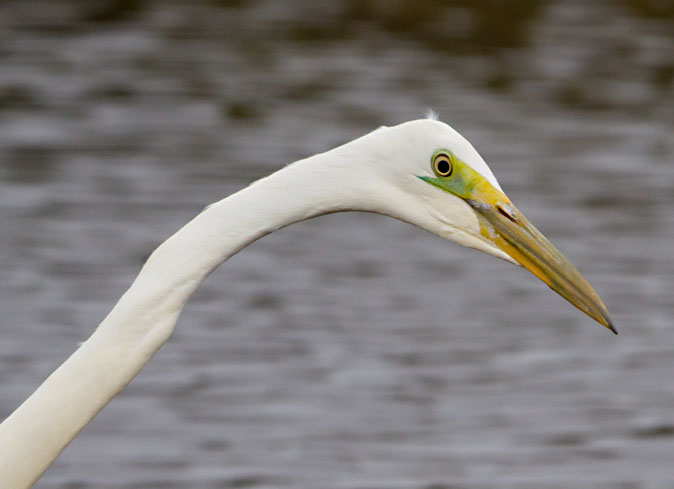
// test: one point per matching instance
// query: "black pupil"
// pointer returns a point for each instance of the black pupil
(443, 166)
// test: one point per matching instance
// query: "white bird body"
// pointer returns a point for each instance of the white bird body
(381, 172)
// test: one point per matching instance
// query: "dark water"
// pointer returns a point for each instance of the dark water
(352, 351)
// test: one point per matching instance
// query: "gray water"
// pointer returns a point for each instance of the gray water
(352, 351)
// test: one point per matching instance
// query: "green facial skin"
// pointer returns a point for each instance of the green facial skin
(466, 183)
(505, 227)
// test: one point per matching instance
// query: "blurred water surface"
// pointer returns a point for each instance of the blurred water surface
(351, 351)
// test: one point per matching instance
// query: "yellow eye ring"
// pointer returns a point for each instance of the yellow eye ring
(442, 165)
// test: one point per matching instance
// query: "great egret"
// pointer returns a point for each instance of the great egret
(422, 172)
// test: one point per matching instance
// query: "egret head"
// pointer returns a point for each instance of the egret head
(436, 180)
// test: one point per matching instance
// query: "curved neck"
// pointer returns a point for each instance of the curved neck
(143, 319)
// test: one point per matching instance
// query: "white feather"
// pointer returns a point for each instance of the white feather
(377, 173)
(432, 114)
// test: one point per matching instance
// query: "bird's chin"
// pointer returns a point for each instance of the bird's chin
(487, 247)
(479, 243)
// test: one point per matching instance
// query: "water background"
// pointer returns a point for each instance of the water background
(352, 351)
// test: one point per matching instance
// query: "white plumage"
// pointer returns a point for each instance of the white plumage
(381, 172)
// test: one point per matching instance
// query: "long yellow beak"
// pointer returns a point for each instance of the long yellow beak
(507, 229)
(511, 232)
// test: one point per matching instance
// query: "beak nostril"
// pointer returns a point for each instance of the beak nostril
(507, 213)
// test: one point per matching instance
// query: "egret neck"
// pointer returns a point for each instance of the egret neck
(144, 317)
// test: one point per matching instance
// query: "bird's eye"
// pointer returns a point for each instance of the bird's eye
(442, 165)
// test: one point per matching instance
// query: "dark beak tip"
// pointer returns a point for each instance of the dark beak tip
(606, 321)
